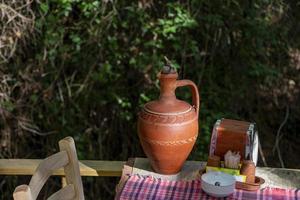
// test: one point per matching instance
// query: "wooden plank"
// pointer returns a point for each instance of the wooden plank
(279, 177)
(101, 168)
(87, 167)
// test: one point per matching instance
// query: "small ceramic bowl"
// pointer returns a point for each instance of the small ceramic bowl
(218, 184)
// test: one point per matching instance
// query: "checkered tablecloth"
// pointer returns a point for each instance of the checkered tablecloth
(146, 187)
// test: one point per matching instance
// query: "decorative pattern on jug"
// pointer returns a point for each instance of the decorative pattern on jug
(168, 119)
(171, 143)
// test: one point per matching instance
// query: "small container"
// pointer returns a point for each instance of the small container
(250, 186)
(248, 169)
(218, 184)
(214, 161)
(237, 136)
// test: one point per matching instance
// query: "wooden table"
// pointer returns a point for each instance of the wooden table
(274, 177)
(280, 178)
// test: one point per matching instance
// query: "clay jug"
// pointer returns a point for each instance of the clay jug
(168, 127)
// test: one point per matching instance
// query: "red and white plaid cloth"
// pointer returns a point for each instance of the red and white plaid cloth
(148, 188)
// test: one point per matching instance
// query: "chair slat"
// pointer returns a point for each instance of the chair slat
(44, 171)
(67, 193)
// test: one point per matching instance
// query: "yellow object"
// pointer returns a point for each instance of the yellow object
(234, 172)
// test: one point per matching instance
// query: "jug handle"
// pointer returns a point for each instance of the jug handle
(195, 93)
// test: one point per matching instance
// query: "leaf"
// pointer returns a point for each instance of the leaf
(8, 105)
(44, 7)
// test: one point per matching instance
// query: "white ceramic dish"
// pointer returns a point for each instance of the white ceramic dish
(218, 184)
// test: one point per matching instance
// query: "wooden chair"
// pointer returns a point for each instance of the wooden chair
(66, 158)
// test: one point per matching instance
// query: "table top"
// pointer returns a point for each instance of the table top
(140, 182)
(274, 177)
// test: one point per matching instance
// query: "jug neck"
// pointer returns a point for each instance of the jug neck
(167, 86)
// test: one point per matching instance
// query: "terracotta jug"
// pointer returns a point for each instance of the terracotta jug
(168, 127)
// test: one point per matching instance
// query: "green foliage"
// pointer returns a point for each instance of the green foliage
(177, 20)
(8, 105)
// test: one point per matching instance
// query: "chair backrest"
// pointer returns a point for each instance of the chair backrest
(66, 158)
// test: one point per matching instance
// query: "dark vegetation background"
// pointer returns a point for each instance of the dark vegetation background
(84, 69)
